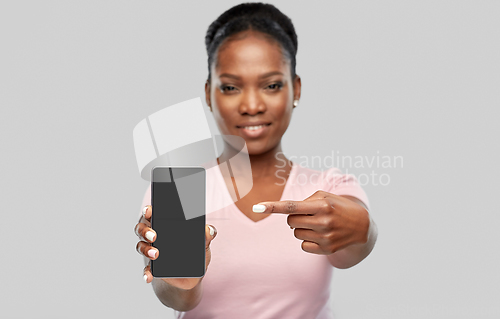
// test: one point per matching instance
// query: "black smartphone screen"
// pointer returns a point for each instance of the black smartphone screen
(178, 218)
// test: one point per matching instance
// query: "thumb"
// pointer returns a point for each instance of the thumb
(210, 233)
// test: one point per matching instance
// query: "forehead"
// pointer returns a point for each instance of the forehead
(250, 52)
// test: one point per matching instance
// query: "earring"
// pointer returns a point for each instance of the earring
(295, 103)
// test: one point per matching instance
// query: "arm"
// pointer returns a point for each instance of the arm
(355, 253)
(173, 297)
(177, 298)
(181, 294)
(339, 227)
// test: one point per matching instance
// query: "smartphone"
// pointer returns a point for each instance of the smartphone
(178, 218)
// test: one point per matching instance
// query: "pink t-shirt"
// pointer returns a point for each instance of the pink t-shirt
(258, 269)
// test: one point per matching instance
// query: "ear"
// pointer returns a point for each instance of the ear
(207, 94)
(297, 85)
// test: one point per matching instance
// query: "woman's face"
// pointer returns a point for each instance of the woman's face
(251, 91)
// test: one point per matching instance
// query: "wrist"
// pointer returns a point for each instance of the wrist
(364, 226)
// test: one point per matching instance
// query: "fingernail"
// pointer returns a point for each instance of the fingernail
(145, 278)
(150, 235)
(152, 253)
(259, 208)
(212, 230)
(144, 211)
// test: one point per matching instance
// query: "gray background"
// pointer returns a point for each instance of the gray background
(414, 79)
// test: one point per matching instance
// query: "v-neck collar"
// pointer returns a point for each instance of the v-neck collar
(240, 214)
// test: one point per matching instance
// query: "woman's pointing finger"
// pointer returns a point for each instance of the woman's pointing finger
(292, 207)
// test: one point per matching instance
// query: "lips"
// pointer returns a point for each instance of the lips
(254, 129)
(253, 124)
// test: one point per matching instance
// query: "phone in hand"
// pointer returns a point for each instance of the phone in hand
(178, 218)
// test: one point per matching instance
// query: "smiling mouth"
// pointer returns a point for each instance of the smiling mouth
(254, 127)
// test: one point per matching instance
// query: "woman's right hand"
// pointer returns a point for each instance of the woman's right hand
(147, 236)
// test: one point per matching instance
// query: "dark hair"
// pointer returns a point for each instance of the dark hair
(257, 16)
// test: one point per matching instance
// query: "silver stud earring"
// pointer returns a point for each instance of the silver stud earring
(295, 103)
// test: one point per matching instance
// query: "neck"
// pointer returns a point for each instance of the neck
(263, 165)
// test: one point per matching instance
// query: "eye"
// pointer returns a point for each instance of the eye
(275, 86)
(227, 88)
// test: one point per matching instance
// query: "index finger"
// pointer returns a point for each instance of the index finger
(291, 207)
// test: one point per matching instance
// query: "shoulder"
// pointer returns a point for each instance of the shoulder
(331, 180)
(303, 175)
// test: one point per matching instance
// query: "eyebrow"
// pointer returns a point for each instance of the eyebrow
(265, 75)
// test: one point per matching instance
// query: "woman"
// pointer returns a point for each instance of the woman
(274, 256)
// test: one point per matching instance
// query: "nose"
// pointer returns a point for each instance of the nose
(252, 103)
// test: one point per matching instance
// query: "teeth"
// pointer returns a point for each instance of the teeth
(253, 128)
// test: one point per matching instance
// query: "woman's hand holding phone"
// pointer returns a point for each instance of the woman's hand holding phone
(147, 236)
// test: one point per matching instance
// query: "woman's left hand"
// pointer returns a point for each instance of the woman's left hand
(325, 222)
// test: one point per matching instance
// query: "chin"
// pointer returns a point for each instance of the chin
(257, 148)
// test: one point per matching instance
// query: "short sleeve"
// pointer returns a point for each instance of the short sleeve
(337, 183)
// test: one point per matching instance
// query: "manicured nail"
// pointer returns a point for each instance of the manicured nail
(152, 253)
(150, 235)
(144, 211)
(212, 230)
(145, 278)
(259, 208)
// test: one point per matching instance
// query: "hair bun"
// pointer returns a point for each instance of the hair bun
(257, 16)
(248, 11)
